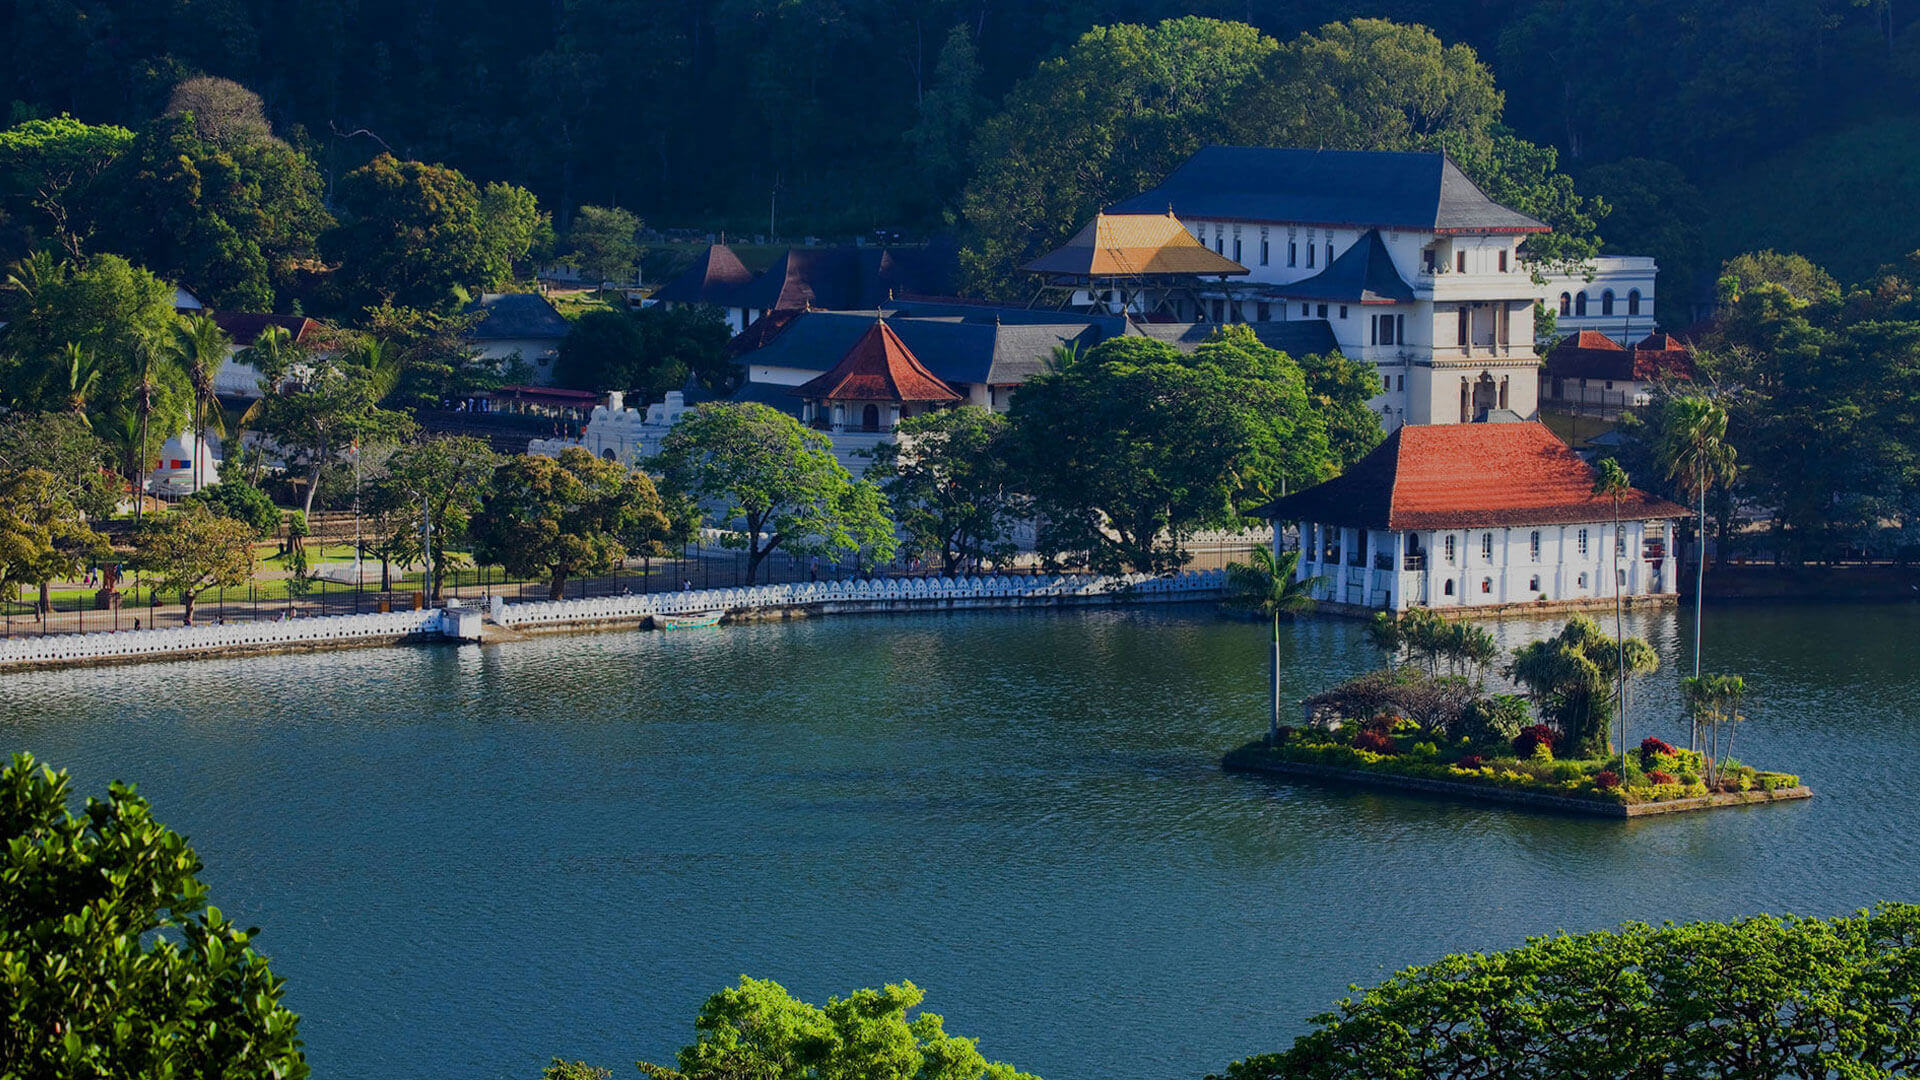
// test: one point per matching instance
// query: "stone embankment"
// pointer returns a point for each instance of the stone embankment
(505, 621)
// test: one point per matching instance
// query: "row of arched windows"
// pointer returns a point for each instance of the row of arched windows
(1575, 304)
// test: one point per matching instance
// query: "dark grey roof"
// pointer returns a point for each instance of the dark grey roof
(771, 394)
(1295, 337)
(845, 278)
(1363, 274)
(515, 317)
(957, 349)
(1412, 191)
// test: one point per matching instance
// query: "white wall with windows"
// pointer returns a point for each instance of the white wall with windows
(1487, 567)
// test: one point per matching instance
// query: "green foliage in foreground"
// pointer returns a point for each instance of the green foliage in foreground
(759, 1030)
(111, 963)
(1761, 997)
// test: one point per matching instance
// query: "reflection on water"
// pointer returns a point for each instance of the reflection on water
(468, 860)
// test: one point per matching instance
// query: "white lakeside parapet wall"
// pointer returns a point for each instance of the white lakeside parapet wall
(461, 623)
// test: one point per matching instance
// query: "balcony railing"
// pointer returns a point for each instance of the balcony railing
(1416, 562)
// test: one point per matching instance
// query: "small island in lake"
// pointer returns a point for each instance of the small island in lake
(1426, 724)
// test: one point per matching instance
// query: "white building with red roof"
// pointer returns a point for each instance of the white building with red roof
(1487, 515)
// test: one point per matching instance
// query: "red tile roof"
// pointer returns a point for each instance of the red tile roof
(1457, 476)
(879, 367)
(1591, 354)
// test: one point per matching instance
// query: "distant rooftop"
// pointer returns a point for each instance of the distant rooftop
(1133, 245)
(1368, 189)
(516, 317)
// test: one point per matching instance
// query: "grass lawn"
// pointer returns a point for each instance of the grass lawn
(1575, 430)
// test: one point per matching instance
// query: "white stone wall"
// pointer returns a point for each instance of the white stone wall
(197, 640)
(1621, 275)
(856, 595)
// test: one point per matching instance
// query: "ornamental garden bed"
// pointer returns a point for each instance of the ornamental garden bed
(1555, 785)
(1415, 728)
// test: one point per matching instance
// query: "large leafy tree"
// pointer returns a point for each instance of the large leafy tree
(443, 480)
(604, 242)
(1129, 451)
(410, 234)
(946, 480)
(1108, 119)
(64, 447)
(233, 497)
(513, 229)
(335, 410)
(758, 1029)
(54, 167)
(649, 352)
(192, 550)
(775, 484)
(120, 319)
(1570, 674)
(235, 215)
(559, 518)
(1764, 996)
(44, 534)
(112, 964)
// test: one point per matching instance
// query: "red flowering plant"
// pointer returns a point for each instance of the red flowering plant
(1533, 737)
(1606, 780)
(1651, 748)
(1658, 777)
(1375, 741)
(1472, 761)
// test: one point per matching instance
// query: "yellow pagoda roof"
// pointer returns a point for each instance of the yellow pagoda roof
(1127, 245)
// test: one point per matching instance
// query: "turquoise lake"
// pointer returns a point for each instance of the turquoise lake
(468, 860)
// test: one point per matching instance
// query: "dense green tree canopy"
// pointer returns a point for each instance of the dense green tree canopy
(1131, 449)
(442, 481)
(410, 234)
(773, 484)
(112, 964)
(1759, 997)
(947, 482)
(649, 352)
(758, 1029)
(559, 518)
(53, 166)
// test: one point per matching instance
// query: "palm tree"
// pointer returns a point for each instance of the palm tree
(1697, 455)
(150, 367)
(200, 347)
(1271, 586)
(273, 355)
(83, 378)
(1611, 481)
(30, 275)
(1063, 357)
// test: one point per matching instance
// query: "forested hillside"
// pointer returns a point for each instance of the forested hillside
(842, 116)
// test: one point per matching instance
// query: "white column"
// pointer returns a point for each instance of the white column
(1396, 596)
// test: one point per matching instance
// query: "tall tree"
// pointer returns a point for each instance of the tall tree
(200, 348)
(1565, 676)
(53, 165)
(1271, 588)
(1134, 448)
(1611, 481)
(44, 535)
(776, 483)
(513, 228)
(946, 481)
(445, 480)
(574, 515)
(410, 235)
(335, 410)
(1108, 119)
(604, 242)
(1698, 457)
(117, 966)
(193, 549)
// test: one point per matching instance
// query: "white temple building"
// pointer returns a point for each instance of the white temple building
(1486, 515)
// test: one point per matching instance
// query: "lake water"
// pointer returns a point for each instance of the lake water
(466, 861)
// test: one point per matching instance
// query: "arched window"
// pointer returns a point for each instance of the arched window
(1533, 584)
(1583, 581)
(1449, 588)
(608, 454)
(1566, 303)
(1633, 301)
(1606, 302)
(870, 418)
(1486, 585)
(1533, 545)
(1580, 306)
